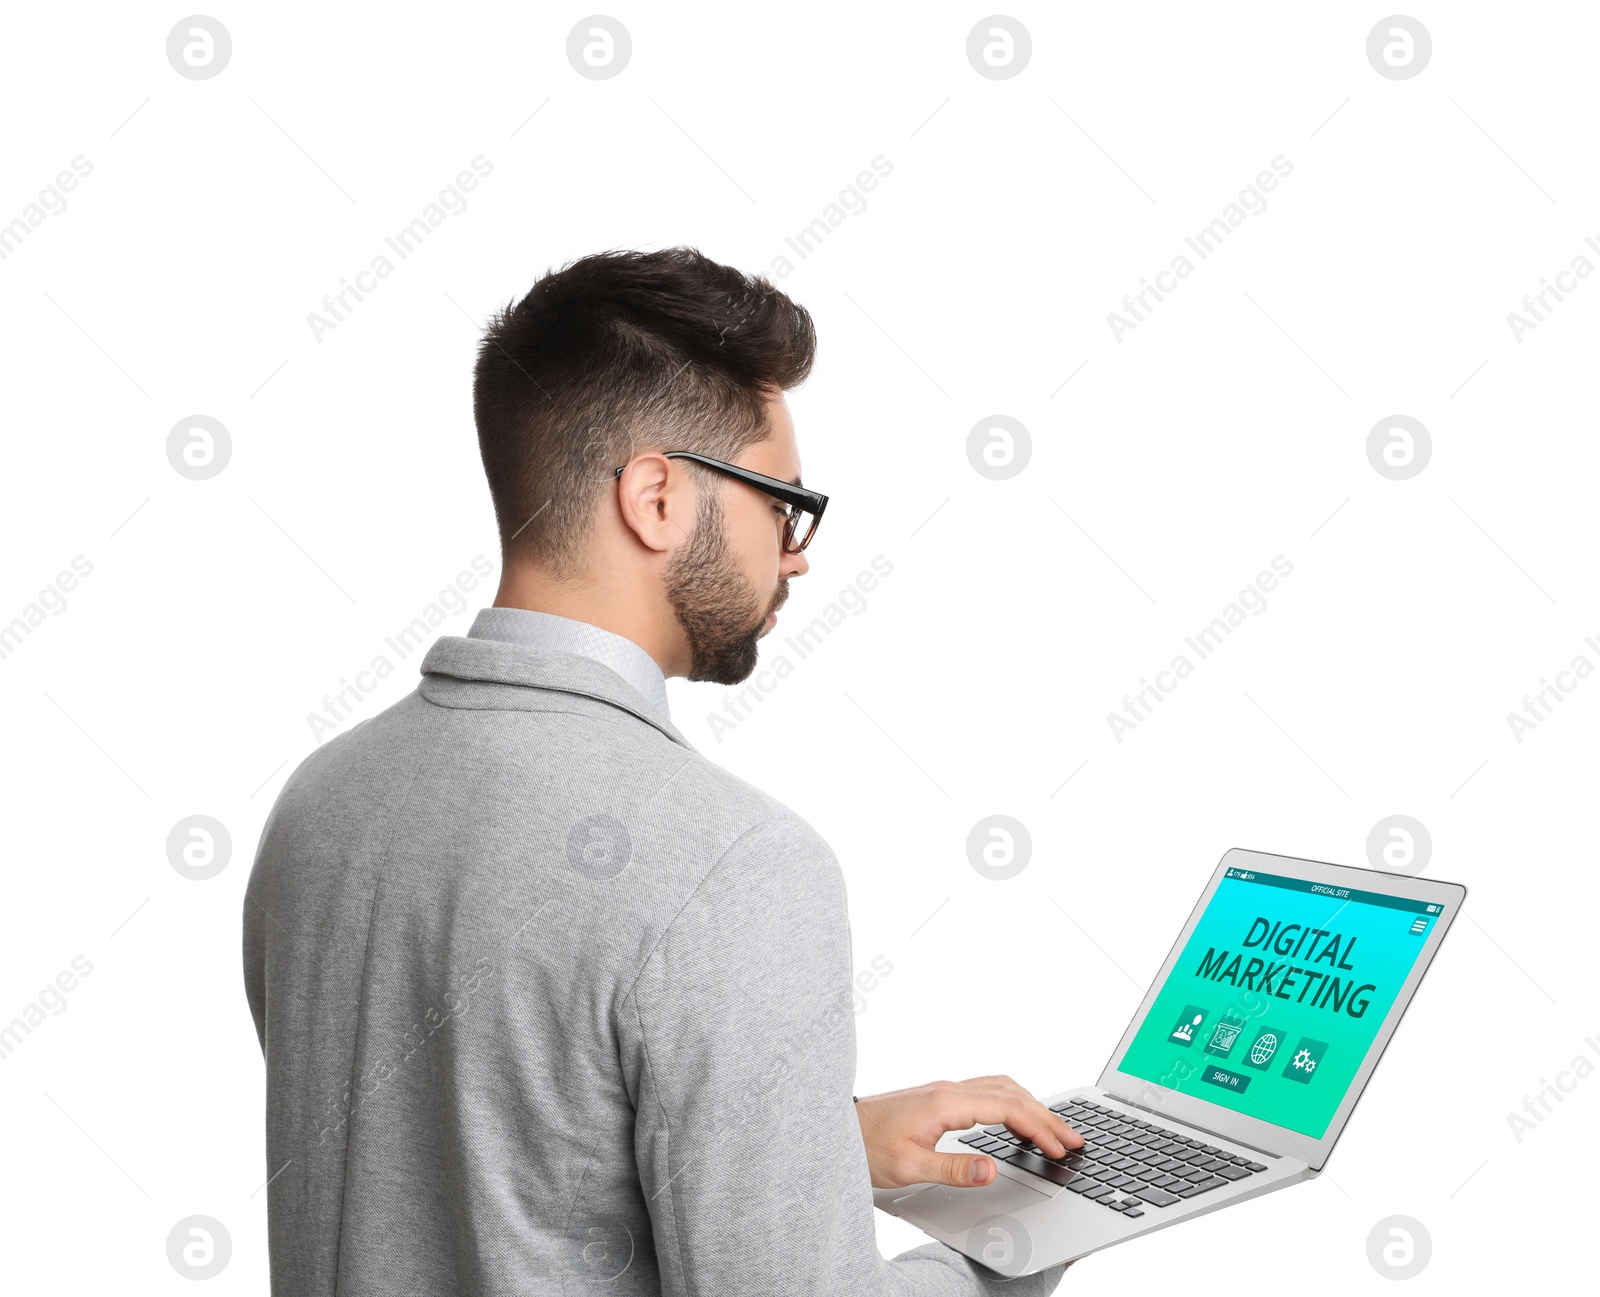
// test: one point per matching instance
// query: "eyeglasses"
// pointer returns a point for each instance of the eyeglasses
(805, 507)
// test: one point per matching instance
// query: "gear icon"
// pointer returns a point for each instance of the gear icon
(1305, 1062)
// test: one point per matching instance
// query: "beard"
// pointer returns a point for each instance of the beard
(718, 607)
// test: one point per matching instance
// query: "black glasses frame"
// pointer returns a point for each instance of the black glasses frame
(799, 500)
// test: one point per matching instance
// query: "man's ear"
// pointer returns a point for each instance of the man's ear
(657, 502)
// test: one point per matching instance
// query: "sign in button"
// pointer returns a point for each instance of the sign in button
(1227, 1080)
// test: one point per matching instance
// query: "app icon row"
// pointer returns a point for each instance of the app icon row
(1220, 1037)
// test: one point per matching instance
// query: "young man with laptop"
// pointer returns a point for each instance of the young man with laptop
(551, 1003)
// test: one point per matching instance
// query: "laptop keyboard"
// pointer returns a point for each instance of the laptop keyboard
(1125, 1164)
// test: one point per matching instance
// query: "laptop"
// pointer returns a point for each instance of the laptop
(1234, 1078)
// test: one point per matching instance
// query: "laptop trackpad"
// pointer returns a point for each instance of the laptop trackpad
(955, 1210)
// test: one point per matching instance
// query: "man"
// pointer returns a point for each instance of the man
(549, 1002)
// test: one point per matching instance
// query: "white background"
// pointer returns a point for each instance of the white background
(1227, 428)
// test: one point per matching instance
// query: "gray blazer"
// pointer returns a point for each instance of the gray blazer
(551, 1004)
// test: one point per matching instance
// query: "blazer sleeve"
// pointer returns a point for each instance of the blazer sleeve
(738, 1039)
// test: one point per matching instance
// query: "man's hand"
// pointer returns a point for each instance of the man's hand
(900, 1129)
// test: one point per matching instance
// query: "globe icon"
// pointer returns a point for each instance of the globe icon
(1266, 1045)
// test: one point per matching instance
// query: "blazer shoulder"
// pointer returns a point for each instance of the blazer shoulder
(742, 804)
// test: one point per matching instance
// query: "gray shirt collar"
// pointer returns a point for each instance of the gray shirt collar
(566, 635)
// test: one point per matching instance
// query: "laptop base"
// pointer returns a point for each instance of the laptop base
(1021, 1223)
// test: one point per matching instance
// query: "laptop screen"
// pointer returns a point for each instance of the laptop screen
(1278, 995)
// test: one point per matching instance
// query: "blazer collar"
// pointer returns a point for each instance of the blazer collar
(525, 666)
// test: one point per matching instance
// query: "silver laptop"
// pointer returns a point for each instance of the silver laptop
(1234, 1078)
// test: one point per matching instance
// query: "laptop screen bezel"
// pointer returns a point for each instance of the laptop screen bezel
(1254, 1131)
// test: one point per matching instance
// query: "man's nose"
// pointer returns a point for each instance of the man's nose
(795, 565)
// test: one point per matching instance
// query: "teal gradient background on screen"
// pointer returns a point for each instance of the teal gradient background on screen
(1382, 953)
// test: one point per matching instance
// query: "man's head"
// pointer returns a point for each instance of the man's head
(610, 362)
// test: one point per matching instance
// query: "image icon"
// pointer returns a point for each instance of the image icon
(1188, 1023)
(1305, 1060)
(1223, 1035)
(1264, 1048)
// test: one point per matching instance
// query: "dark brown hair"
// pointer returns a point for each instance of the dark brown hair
(617, 353)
